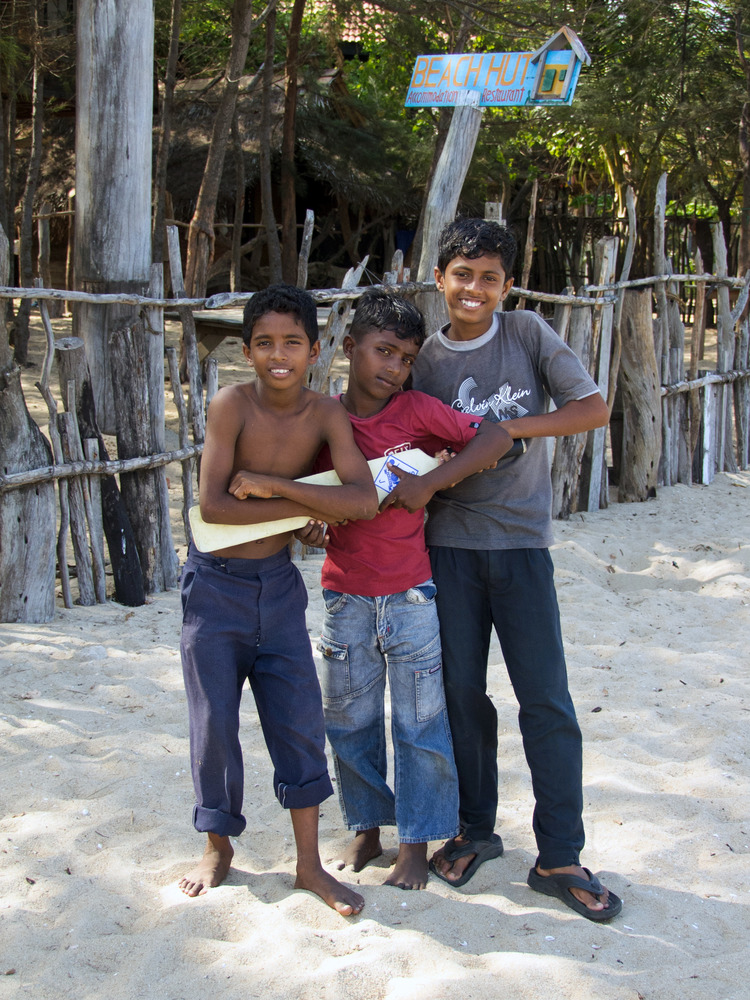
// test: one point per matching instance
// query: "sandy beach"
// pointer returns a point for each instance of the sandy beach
(96, 801)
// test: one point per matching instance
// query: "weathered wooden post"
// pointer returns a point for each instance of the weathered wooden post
(568, 454)
(641, 399)
(27, 514)
(697, 338)
(595, 486)
(114, 104)
(742, 395)
(72, 366)
(144, 491)
(725, 323)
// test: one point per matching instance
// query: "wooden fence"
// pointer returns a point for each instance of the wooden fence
(672, 421)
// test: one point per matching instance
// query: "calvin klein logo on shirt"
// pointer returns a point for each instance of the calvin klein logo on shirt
(504, 403)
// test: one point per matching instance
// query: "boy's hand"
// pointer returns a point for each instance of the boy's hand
(445, 455)
(251, 484)
(313, 534)
(411, 494)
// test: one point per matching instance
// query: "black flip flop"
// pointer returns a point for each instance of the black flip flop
(559, 887)
(483, 850)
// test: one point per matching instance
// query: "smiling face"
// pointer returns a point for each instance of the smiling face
(280, 350)
(379, 364)
(473, 289)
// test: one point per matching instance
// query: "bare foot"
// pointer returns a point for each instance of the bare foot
(590, 901)
(340, 898)
(410, 870)
(364, 848)
(212, 868)
(452, 870)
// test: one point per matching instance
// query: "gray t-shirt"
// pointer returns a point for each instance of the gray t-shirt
(511, 371)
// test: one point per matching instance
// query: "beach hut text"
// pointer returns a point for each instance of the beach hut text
(497, 79)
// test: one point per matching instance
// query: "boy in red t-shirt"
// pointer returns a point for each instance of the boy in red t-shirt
(380, 601)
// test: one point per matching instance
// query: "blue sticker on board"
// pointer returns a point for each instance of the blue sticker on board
(387, 480)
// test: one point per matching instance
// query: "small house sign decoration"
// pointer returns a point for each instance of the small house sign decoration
(500, 79)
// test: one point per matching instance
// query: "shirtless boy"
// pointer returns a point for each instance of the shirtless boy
(244, 606)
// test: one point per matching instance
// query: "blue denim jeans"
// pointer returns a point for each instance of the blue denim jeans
(361, 637)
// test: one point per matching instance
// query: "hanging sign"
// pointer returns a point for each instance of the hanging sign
(500, 79)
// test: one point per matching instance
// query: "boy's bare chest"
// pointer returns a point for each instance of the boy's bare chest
(279, 444)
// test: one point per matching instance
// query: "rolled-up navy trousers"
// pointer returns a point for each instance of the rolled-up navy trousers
(245, 618)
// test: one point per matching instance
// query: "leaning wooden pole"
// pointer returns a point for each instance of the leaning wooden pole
(442, 199)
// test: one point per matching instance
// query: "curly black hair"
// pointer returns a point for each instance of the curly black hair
(281, 299)
(385, 309)
(472, 238)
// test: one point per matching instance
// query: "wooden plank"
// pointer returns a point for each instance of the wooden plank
(597, 485)
(189, 340)
(304, 251)
(661, 338)
(75, 448)
(187, 463)
(708, 463)
(725, 323)
(42, 385)
(96, 521)
(696, 342)
(79, 538)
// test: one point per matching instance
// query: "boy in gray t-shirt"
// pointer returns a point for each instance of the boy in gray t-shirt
(488, 540)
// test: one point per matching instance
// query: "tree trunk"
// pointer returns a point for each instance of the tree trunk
(159, 236)
(235, 266)
(144, 492)
(21, 334)
(27, 515)
(743, 262)
(113, 173)
(70, 355)
(201, 234)
(266, 188)
(288, 172)
(8, 161)
(641, 400)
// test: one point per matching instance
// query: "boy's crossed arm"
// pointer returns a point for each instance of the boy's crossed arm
(355, 499)
(484, 450)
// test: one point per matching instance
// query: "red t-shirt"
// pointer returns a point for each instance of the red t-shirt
(388, 555)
